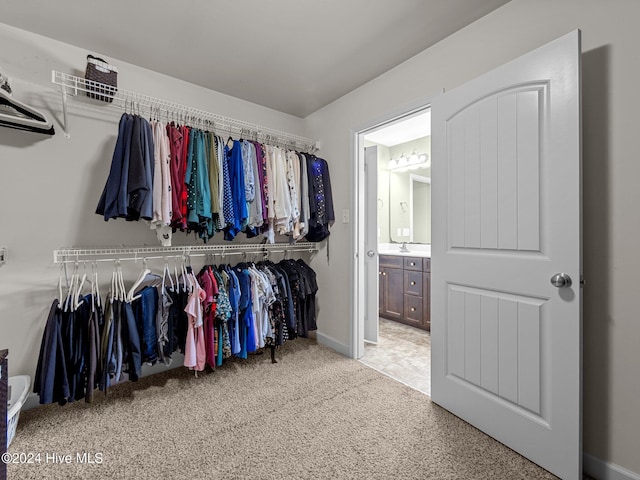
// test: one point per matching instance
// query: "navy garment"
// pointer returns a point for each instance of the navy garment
(50, 381)
(108, 203)
(172, 320)
(107, 334)
(128, 192)
(141, 165)
(96, 319)
(182, 320)
(227, 202)
(145, 309)
(78, 354)
(321, 212)
(132, 359)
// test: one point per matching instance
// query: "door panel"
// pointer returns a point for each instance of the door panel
(506, 343)
(371, 245)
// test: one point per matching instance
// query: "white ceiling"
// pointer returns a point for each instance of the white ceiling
(402, 131)
(294, 56)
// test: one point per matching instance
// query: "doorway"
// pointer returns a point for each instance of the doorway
(396, 338)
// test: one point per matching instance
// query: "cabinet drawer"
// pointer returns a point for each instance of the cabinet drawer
(413, 263)
(391, 261)
(413, 309)
(413, 283)
(426, 264)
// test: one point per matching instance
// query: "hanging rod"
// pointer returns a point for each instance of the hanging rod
(71, 85)
(69, 255)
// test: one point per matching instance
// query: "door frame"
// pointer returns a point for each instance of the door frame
(358, 229)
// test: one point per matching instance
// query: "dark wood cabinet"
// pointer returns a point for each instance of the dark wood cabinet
(391, 283)
(405, 295)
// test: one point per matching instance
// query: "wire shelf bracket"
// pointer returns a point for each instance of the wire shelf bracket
(73, 85)
(72, 255)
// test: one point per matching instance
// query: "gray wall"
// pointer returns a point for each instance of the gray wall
(611, 102)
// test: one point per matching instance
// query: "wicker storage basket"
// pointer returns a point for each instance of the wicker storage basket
(101, 72)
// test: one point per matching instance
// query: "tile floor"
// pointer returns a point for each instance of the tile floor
(403, 353)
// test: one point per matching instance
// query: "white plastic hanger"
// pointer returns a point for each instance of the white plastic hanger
(60, 298)
(69, 301)
(186, 279)
(97, 299)
(143, 274)
(78, 293)
(166, 273)
(25, 118)
(121, 288)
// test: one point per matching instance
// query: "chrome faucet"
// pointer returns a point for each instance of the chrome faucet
(404, 248)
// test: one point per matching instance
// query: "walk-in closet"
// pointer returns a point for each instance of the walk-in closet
(361, 239)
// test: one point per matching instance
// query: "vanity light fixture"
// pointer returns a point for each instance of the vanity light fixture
(412, 162)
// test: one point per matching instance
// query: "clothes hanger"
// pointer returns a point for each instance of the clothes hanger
(60, 285)
(96, 284)
(167, 273)
(94, 301)
(186, 279)
(27, 118)
(143, 274)
(175, 272)
(79, 286)
(122, 289)
(68, 301)
(113, 283)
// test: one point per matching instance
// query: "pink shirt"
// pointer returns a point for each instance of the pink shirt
(194, 350)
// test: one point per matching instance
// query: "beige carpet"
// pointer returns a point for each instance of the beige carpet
(314, 415)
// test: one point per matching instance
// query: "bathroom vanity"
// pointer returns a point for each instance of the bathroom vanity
(405, 289)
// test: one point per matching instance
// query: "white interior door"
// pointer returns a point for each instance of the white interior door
(506, 343)
(371, 244)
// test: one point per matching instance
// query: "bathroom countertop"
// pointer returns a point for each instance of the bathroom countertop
(397, 253)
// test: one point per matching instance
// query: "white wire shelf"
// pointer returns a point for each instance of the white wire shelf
(165, 109)
(72, 255)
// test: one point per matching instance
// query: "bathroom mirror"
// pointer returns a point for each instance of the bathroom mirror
(410, 207)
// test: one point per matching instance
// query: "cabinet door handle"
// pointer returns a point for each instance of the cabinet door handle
(384, 273)
(413, 283)
(413, 309)
(413, 264)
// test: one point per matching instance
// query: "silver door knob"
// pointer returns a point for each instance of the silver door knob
(370, 253)
(561, 280)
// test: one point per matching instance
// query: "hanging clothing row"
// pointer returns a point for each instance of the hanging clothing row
(183, 178)
(218, 313)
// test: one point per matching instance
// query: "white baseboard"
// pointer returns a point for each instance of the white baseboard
(601, 470)
(333, 344)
